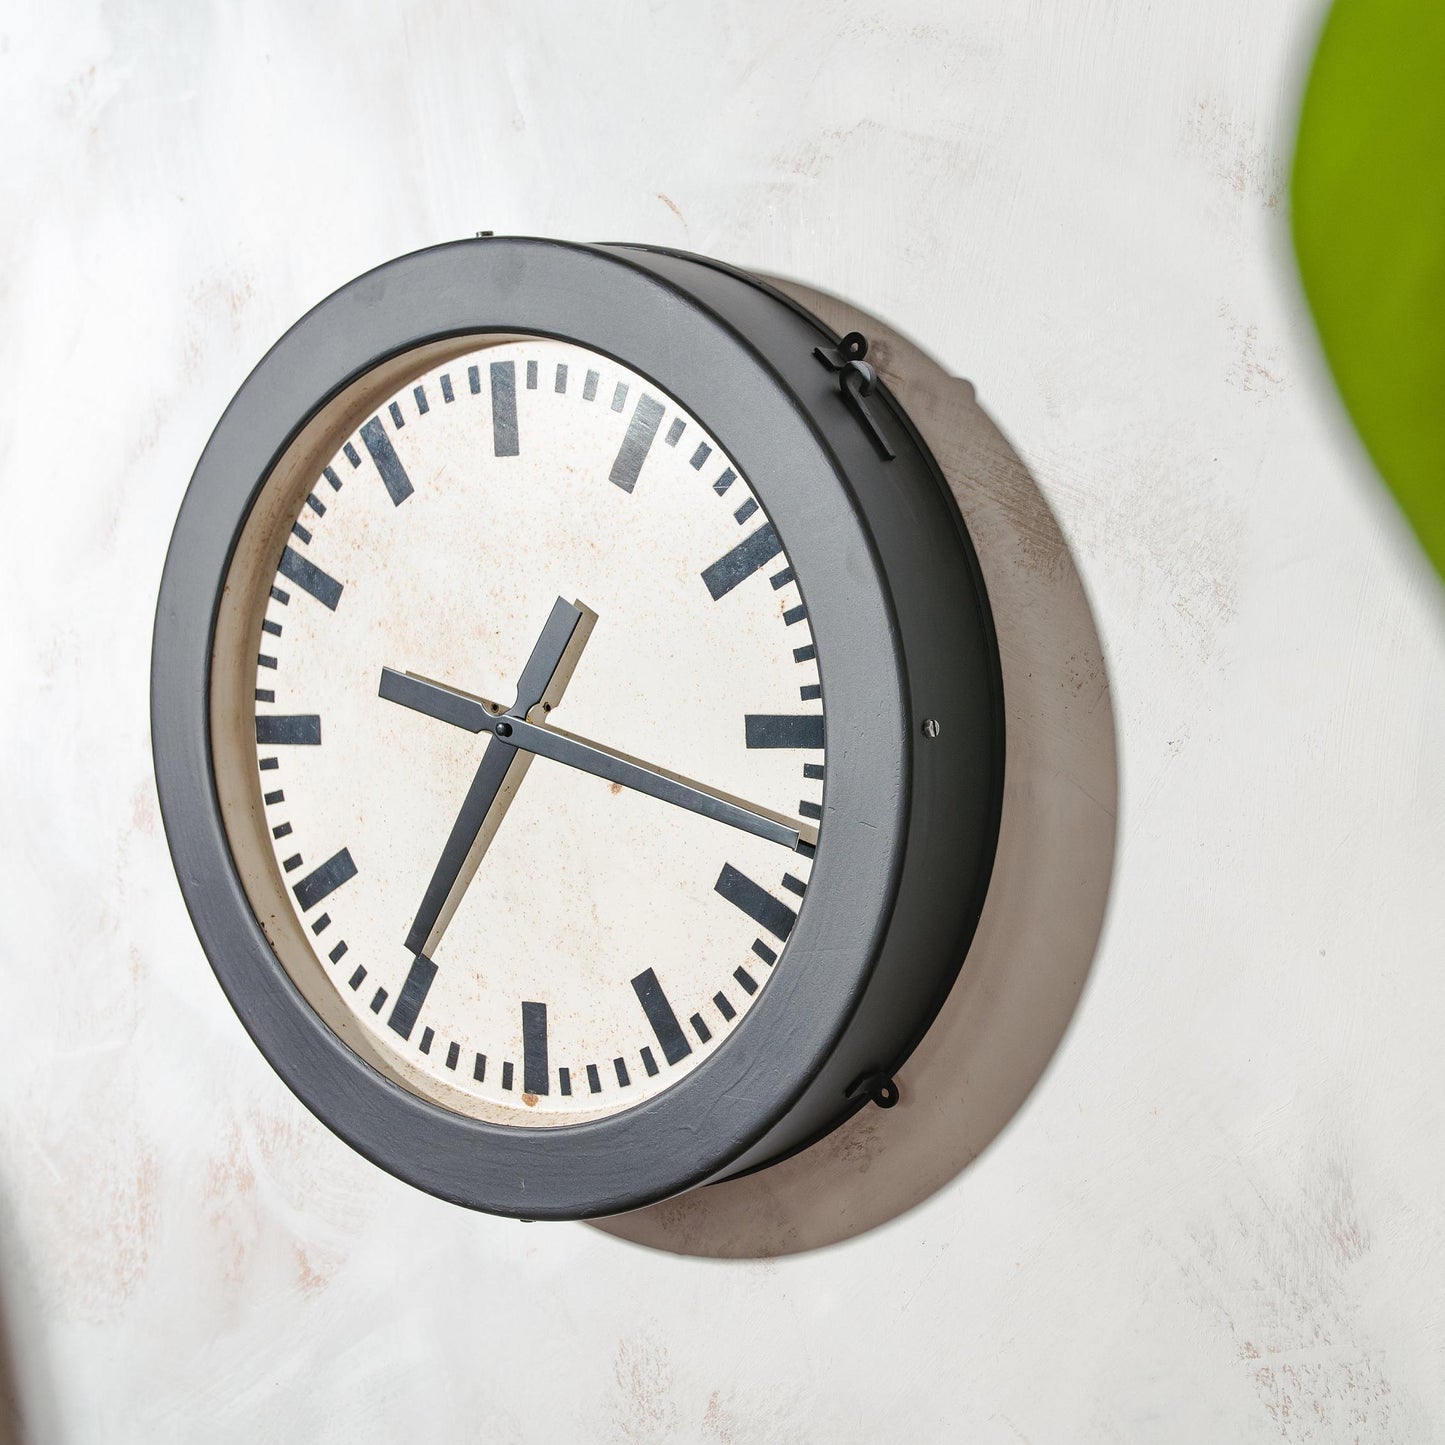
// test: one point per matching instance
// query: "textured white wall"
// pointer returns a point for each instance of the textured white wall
(1217, 1216)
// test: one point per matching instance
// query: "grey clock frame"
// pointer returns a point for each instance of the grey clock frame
(901, 620)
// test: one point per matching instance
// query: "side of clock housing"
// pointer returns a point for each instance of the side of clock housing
(946, 651)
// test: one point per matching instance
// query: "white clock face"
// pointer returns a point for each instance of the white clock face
(520, 928)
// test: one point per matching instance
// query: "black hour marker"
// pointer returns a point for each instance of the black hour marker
(702, 453)
(757, 903)
(315, 503)
(754, 552)
(310, 578)
(805, 654)
(813, 770)
(794, 885)
(357, 978)
(507, 1074)
(783, 730)
(745, 980)
(700, 1028)
(593, 1082)
(297, 530)
(454, 1050)
(589, 387)
(620, 1066)
(531, 376)
(723, 1004)
(397, 419)
(331, 477)
(479, 1068)
(535, 1072)
(560, 385)
(338, 953)
(725, 481)
(412, 996)
(388, 464)
(619, 397)
(504, 409)
(744, 512)
(641, 430)
(427, 1035)
(279, 729)
(474, 380)
(419, 394)
(564, 1080)
(764, 952)
(325, 880)
(810, 692)
(675, 1046)
(675, 431)
(648, 1062)
(447, 393)
(352, 455)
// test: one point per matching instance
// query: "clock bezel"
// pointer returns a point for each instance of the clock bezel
(710, 1121)
(239, 637)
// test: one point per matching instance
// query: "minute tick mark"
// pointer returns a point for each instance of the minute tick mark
(388, 464)
(755, 551)
(310, 578)
(323, 881)
(755, 901)
(536, 1076)
(637, 443)
(670, 1036)
(504, 409)
(409, 1001)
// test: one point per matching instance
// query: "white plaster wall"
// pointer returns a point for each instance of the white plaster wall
(1218, 1215)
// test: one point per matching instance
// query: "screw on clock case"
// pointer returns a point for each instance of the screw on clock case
(910, 675)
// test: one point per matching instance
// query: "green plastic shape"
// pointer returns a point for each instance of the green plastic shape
(1368, 213)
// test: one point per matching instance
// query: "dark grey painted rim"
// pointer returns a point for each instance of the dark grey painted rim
(716, 1113)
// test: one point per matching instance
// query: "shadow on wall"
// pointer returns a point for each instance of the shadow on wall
(12, 1420)
(1007, 1013)
(27, 1399)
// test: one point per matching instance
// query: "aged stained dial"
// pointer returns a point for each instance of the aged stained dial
(539, 734)
(577, 722)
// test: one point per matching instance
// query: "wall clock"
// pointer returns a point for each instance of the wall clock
(578, 722)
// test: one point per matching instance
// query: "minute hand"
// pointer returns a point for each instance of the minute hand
(588, 757)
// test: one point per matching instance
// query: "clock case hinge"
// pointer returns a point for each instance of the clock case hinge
(856, 382)
(879, 1086)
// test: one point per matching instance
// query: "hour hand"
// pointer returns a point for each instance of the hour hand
(543, 680)
(445, 704)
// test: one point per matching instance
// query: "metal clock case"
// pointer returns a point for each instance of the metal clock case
(636, 374)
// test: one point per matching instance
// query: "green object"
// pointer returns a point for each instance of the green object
(1369, 230)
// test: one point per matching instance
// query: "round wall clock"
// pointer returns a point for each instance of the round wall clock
(578, 722)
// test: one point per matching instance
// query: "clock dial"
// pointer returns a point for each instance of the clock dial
(538, 735)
